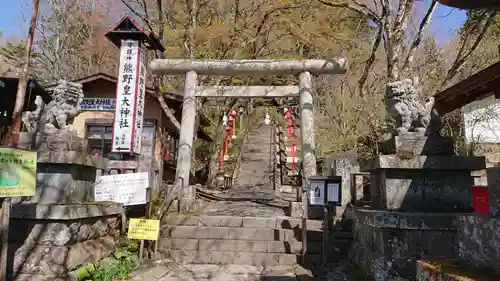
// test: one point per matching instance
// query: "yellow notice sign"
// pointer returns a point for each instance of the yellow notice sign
(17, 172)
(142, 229)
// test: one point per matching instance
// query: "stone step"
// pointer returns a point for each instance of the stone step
(221, 245)
(238, 233)
(238, 258)
(289, 159)
(234, 221)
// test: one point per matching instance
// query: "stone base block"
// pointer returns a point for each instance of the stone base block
(412, 144)
(186, 205)
(296, 209)
(479, 241)
(493, 175)
(388, 244)
(423, 183)
(287, 188)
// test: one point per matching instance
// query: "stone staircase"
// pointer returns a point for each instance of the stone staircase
(238, 240)
(254, 168)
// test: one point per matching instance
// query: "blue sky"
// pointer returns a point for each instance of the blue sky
(12, 20)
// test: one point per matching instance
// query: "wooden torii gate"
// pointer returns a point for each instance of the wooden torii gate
(192, 68)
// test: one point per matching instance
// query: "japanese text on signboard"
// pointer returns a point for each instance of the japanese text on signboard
(139, 117)
(103, 104)
(127, 189)
(143, 229)
(126, 94)
(17, 172)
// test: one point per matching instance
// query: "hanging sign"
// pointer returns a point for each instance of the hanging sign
(139, 110)
(98, 104)
(17, 172)
(126, 98)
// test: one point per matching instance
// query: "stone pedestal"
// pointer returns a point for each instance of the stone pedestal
(65, 172)
(422, 176)
(423, 183)
(417, 195)
(479, 241)
(52, 142)
(66, 177)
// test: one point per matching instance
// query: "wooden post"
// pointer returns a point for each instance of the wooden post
(4, 224)
(23, 81)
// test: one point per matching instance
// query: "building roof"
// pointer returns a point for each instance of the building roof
(478, 86)
(127, 28)
(473, 4)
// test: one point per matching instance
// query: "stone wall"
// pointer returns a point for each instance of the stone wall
(388, 244)
(46, 242)
(479, 241)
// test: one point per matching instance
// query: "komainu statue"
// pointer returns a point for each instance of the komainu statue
(403, 105)
(59, 113)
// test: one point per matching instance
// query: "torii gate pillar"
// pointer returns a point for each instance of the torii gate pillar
(191, 68)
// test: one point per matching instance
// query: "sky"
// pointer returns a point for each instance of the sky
(14, 15)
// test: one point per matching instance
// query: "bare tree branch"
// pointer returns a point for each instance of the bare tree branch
(424, 24)
(356, 7)
(370, 61)
(460, 59)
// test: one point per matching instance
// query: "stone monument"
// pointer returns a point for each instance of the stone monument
(49, 124)
(418, 188)
(61, 216)
(50, 134)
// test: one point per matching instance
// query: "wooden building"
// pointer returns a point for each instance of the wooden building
(159, 136)
(8, 92)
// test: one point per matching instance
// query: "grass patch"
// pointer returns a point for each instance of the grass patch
(119, 267)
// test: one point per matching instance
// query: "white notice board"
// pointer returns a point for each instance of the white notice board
(333, 192)
(127, 189)
(317, 193)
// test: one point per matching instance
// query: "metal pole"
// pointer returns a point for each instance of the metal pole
(23, 81)
(14, 138)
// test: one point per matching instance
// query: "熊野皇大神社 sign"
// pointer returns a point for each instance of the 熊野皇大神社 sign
(129, 106)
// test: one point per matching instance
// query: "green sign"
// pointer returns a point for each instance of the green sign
(2, 84)
(17, 172)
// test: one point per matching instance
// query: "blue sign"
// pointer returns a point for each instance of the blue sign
(99, 104)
